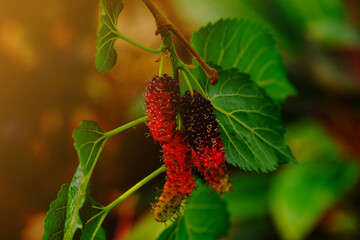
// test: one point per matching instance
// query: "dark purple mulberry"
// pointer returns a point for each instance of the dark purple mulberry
(202, 129)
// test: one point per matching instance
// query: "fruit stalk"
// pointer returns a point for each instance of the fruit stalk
(165, 26)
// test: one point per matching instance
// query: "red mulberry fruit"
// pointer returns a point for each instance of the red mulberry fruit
(177, 157)
(161, 99)
(218, 179)
(202, 129)
(180, 182)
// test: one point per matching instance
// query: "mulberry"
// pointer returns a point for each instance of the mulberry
(168, 204)
(177, 158)
(202, 129)
(218, 179)
(161, 98)
(180, 182)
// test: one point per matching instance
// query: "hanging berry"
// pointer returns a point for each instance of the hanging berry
(161, 98)
(218, 179)
(168, 204)
(202, 129)
(177, 158)
(180, 182)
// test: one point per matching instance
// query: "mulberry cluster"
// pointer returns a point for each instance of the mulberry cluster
(199, 146)
(161, 99)
(202, 129)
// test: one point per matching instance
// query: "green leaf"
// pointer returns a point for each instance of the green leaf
(321, 21)
(326, 32)
(300, 195)
(55, 219)
(247, 46)
(265, 12)
(146, 228)
(107, 34)
(89, 142)
(248, 199)
(76, 199)
(170, 233)
(205, 217)
(309, 140)
(95, 214)
(303, 13)
(250, 123)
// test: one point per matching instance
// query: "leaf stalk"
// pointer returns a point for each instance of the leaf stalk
(134, 188)
(188, 83)
(133, 42)
(193, 79)
(125, 126)
(162, 59)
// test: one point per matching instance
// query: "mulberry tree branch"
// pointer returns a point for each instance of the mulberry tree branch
(164, 27)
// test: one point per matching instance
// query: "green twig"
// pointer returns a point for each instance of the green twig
(131, 41)
(99, 224)
(178, 121)
(193, 79)
(105, 210)
(188, 83)
(174, 58)
(162, 63)
(126, 126)
(134, 188)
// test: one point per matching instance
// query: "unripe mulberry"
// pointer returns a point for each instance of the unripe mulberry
(168, 204)
(202, 129)
(161, 98)
(177, 158)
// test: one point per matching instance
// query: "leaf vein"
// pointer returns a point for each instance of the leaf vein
(243, 50)
(207, 42)
(251, 130)
(253, 111)
(232, 143)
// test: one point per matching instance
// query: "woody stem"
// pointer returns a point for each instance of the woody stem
(164, 26)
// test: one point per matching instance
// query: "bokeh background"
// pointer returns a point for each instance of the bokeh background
(49, 83)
